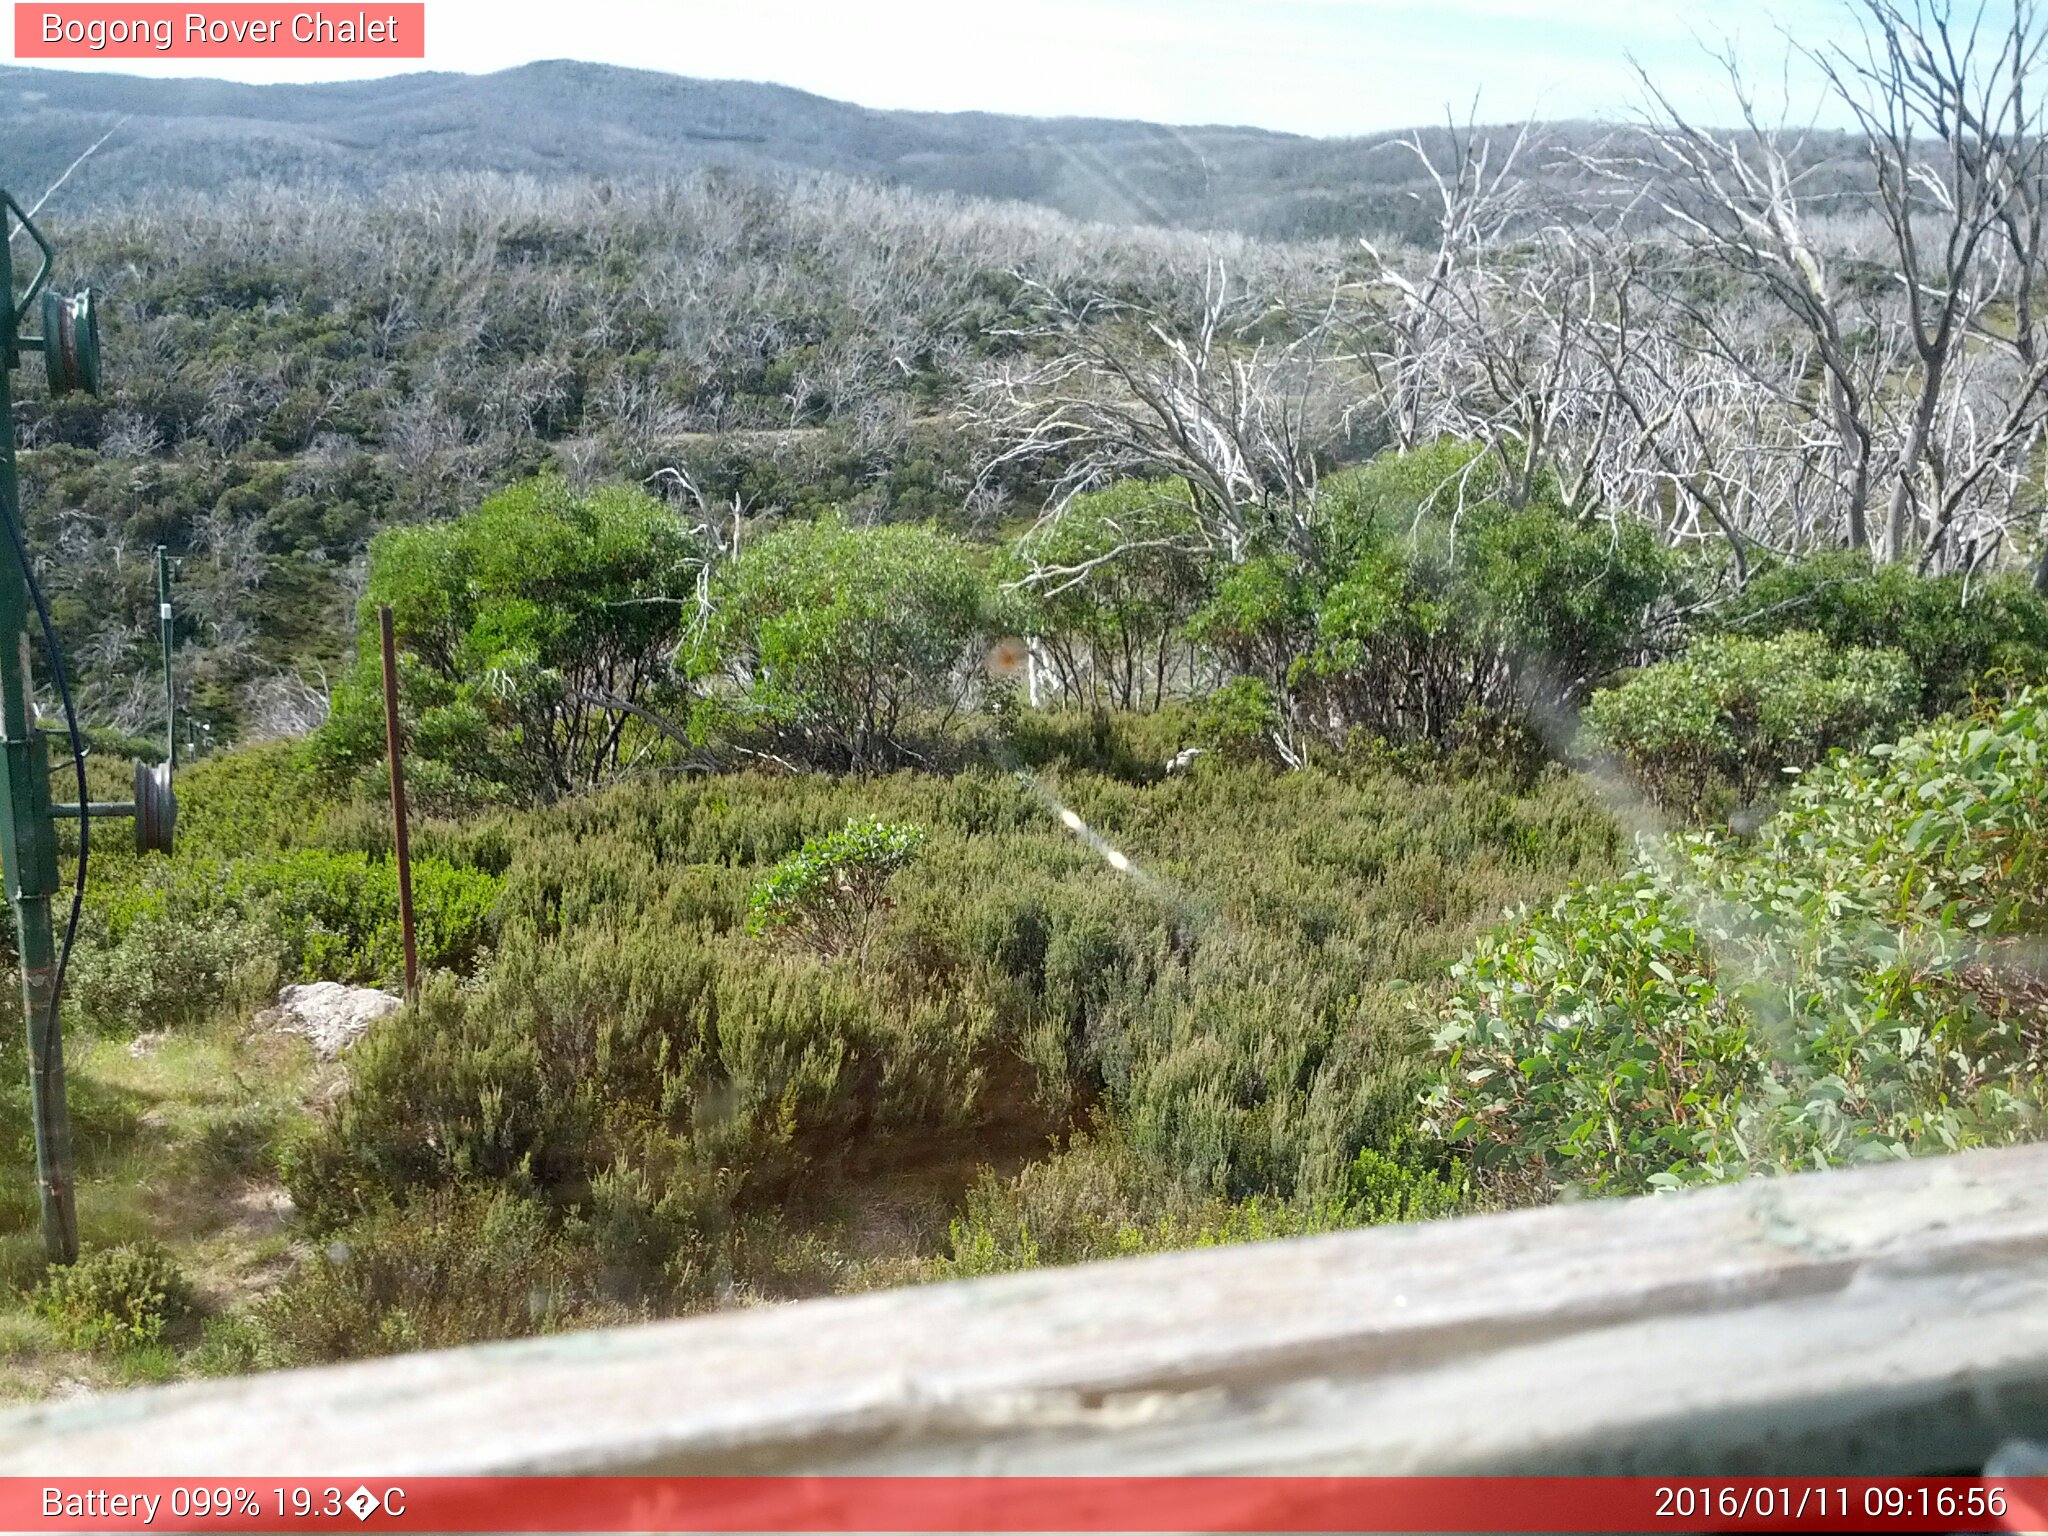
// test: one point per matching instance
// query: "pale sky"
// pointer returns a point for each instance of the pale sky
(1309, 66)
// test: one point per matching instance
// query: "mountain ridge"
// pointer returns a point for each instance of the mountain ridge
(564, 116)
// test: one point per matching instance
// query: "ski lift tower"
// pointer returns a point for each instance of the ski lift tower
(69, 342)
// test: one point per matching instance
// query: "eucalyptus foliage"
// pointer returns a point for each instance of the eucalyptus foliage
(1742, 713)
(1105, 586)
(536, 638)
(826, 641)
(1857, 983)
(1436, 605)
(1962, 634)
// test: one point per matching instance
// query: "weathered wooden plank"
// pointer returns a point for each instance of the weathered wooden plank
(1881, 1319)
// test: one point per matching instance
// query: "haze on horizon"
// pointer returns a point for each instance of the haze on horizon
(1321, 67)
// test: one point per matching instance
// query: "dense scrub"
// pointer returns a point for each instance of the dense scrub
(941, 745)
(1054, 1005)
(703, 1106)
(291, 372)
(1859, 981)
(779, 943)
(622, 1094)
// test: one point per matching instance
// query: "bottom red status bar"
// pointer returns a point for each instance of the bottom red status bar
(934, 1504)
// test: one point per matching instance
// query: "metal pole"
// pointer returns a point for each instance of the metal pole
(398, 828)
(28, 844)
(163, 619)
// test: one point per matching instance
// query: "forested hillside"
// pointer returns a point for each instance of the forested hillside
(945, 738)
(298, 370)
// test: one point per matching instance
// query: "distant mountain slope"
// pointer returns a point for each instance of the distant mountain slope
(600, 120)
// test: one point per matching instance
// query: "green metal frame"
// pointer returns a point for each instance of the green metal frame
(28, 831)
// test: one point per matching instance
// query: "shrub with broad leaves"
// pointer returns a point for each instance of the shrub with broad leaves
(1852, 984)
(1961, 631)
(827, 894)
(1738, 714)
(835, 646)
(1240, 721)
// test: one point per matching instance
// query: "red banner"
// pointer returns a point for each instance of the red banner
(934, 1504)
(223, 31)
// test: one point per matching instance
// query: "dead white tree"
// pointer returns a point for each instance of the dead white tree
(1425, 316)
(1703, 446)
(1954, 140)
(1237, 400)
(1928, 358)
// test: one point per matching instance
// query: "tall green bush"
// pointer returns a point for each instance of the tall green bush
(1960, 633)
(536, 638)
(826, 641)
(1241, 721)
(178, 940)
(1498, 614)
(1432, 611)
(115, 1298)
(1854, 984)
(1740, 713)
(1105, 587)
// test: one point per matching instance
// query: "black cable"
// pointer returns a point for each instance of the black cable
(56, 655)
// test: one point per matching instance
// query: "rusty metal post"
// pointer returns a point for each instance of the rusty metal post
(400, 838)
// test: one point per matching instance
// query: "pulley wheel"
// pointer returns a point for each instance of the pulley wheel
(71, 343)
(156, 808)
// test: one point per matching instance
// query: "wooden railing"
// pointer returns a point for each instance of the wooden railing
(1882, 1320)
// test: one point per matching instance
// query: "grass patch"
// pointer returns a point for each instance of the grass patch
(176, 1140)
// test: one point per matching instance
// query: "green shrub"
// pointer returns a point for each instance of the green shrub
(629, 1064)
(1105, 587)
(534, 635)
(1259, 618)
(1384, 1187)
(1239, 720)
(828, 893)
(1394, 491)
(1100, 1199)
(633, 1045)
(334, 916)
(1133, 748)
(1443, 607)
(1961, 633)
(456, 1268)
(1742, 713)
(230, 1345)
(114, 1298)
(1431, 610)
(174, 940)
(166, 946)
(827, 640)
(1849, 985)
(249, 800)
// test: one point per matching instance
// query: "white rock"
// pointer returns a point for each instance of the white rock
(331, 1015)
